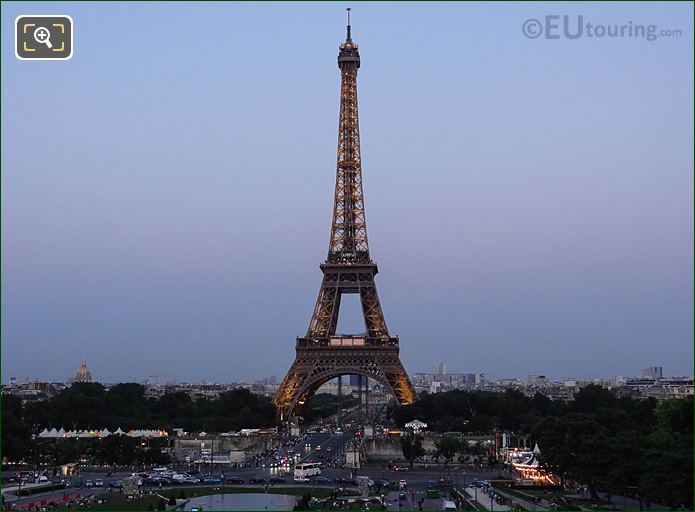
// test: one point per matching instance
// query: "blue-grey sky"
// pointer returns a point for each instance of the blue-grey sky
(166, 194)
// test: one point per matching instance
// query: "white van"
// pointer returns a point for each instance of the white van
(448, 505)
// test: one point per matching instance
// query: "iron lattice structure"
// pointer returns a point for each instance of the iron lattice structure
(321, 354)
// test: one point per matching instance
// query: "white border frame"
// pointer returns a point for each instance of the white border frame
(72, 35)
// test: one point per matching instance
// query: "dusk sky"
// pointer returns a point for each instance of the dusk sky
(167, 192)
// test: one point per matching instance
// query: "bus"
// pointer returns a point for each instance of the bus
(302, 472)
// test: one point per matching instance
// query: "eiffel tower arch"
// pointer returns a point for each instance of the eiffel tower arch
(321, 354)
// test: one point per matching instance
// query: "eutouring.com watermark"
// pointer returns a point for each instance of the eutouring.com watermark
(556, 26)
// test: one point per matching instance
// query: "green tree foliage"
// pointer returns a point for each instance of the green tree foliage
(323, 405)
(623, 445)
(478, 412)
(16, 432)
(446, 448)
(411, 445)
(618, 445)
(91, 406)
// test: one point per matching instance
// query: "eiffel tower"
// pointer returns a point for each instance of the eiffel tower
(321, 354)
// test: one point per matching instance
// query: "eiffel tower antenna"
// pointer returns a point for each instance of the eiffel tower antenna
(323, 355)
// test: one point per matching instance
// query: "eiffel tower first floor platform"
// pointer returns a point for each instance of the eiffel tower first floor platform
(319, 361)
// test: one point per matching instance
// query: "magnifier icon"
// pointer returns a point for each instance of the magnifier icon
(43, 36)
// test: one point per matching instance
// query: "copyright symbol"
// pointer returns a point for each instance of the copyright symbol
(532, 28)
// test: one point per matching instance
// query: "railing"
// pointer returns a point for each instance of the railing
(348, 342)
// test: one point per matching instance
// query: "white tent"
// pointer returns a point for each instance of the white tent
(44, 433)
(119, 432)
(416, 425)
(53, 433)
(61, 432)
(104, 433)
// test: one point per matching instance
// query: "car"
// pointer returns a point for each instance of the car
(88, 483)
(298, 478)
(321, 480)
(277, 480)
(449, 505)
(402, 495)
(234, 480)
(212, 480)
(329, 449)
(116, 484)
(98, 482)
(257, 480)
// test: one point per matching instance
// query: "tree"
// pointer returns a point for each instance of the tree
(446, 447)
(468, 450)
(411, 445)
(576, 446)
(16, 433)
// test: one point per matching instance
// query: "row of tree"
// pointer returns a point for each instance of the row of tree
(648, 453)
(92, 406)
(446, 449)
(619, 445)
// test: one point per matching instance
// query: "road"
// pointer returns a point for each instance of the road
(307, 450)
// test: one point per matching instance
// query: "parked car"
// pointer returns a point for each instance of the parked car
(212, 480)
(234, 480)
(402, 495)
(277, 480)
(116, 484)
(257, 480)
(320, 480)
(98, 482)
(88, 483)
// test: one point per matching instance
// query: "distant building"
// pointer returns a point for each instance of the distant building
(653, 372)
(83, 374)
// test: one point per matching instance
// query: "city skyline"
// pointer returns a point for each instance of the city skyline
(174, 223)
(70, 375)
